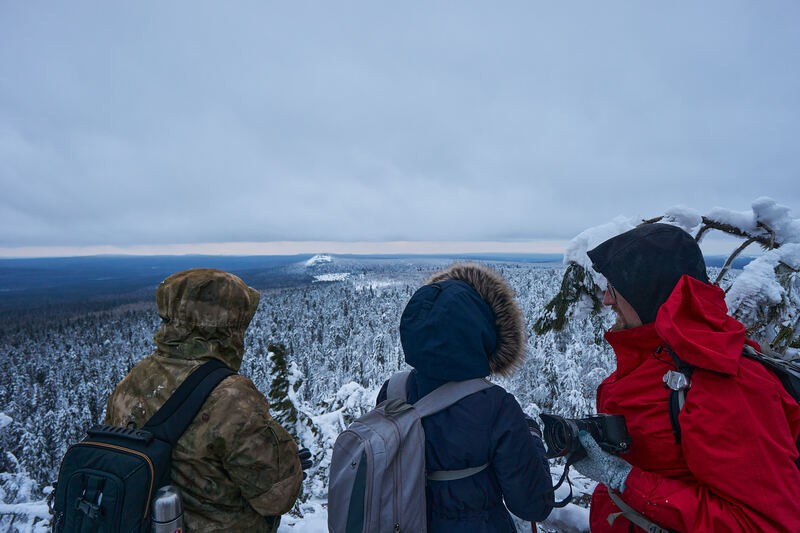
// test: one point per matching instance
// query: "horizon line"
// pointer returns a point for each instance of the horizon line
(277, 248)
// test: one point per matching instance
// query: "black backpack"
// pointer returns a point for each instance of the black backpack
(107, 481)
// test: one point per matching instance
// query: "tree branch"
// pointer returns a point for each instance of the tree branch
(731, 257)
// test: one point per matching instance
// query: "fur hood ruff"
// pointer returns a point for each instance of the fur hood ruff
(499, 296)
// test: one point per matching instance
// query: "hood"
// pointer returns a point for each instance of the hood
(694, 322)
(205, 314)
(464, 323)
(645, 263)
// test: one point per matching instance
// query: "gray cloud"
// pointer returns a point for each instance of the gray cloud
(184, 122)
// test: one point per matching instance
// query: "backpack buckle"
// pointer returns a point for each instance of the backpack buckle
(676, 380)
(92, 510)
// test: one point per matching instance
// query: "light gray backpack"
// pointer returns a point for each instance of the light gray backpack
(377, 475)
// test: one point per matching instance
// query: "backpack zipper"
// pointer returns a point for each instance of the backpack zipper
(395, 480)
(134, 452)
(368, 485)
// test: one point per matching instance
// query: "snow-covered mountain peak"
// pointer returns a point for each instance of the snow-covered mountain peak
(319, 259)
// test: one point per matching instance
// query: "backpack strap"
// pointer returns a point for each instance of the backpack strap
(678, 382)
(451, 475)
(631, 514)
(172, 419)
(433, 402)
(441, 398)
(448, 394)
(396, 389)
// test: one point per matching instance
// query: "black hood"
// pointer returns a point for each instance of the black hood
(645, 263)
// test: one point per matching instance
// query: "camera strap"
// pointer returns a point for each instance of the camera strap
(564, 477)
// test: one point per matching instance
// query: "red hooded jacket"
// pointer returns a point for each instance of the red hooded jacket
(734, 469)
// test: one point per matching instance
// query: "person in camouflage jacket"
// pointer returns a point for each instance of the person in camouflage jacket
(236, 467)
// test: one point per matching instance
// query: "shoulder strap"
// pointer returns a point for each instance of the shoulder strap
(635, 517)
(396, 390)
(452, 475)
(441, 398)
(678, 382)
(169, 422)
(786, 370)
(448, 394)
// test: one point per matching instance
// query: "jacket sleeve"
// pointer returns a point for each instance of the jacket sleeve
(519, 464)
(740, 451)
(259, 455)
(382, 393)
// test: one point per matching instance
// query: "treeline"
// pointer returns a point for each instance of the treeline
(55, 375)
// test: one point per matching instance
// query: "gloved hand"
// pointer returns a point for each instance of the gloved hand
(601, 466)
(305, 460)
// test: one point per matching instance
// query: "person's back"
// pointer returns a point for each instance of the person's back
(450, 333)
(236, 468)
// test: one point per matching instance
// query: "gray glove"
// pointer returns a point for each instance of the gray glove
(600, 466)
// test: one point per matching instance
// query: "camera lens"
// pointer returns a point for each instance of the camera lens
(560, 434)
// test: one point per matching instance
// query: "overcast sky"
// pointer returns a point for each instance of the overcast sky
(161, 123)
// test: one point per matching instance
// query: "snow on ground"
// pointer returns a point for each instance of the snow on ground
(315, 519)
(376, 284)
(33, 517)
(333, 276)
(569, 519)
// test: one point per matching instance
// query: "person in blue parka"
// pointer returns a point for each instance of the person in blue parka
(464, 323)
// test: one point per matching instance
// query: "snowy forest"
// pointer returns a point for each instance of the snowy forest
(320, 350)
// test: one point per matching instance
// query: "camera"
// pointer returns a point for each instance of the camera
(561, 434)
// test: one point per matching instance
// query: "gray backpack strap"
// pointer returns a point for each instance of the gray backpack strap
(444, 397)
(450, 475)
(396, 390)
(631, 514)
(448, 394)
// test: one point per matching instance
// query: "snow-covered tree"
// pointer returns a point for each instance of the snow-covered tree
(765, 297)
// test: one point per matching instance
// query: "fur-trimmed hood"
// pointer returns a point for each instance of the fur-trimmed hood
(463, 323)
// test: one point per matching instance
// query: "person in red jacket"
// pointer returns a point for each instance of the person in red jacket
(729, 463)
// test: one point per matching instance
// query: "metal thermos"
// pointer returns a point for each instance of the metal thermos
(167, 510)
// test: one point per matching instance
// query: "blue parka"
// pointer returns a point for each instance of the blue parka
(462, 325)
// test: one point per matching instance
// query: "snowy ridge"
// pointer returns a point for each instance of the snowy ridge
(319, 259)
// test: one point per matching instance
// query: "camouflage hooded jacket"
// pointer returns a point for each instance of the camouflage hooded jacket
(236, 467)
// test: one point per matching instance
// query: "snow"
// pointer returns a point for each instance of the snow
(757, 296)
(319, 259)
(684, 217)
(31, 517)
(744, 220)
(758, 278)
(777, 217)
(5, 420)
(375, 284)
(333, 276)
(589, 238)
(314, 519)
(765, 211)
